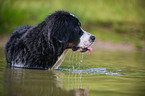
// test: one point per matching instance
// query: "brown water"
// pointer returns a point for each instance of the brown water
(103, 73)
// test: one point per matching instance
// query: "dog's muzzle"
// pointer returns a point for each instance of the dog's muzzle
(86, 41)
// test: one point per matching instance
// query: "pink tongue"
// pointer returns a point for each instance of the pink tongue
(90, 50)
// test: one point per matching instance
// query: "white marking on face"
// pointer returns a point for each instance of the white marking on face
(85, 40)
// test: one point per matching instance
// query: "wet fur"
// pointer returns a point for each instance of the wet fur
(40, 46)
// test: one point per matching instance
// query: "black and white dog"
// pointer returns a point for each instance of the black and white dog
(41, 46)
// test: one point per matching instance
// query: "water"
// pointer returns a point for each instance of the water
(103, 73)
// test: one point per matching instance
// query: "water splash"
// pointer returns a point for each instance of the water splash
(75, 61)
(76, 72)
(74, 79)
(93, 71)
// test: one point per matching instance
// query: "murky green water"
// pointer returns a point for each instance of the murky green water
(103, 73)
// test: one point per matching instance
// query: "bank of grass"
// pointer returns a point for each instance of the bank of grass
(114, 20)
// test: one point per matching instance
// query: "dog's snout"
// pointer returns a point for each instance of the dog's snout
(92, 37)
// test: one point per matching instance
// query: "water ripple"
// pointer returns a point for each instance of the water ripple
(92, 71)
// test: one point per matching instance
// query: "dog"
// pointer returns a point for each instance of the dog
(41, 46)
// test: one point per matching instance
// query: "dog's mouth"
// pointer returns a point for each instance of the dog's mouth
(82, 49)
(85, 49)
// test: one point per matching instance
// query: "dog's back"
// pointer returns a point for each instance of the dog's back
(13, 41)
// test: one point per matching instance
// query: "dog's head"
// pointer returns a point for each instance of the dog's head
(66, 28)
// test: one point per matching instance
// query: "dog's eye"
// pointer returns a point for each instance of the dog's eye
(77, 29)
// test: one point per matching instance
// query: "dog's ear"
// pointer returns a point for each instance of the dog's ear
(60, 31)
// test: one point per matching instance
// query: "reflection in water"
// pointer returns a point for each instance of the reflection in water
(26, 82)
(74, 81)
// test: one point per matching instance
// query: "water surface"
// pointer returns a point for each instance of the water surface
(103, 73)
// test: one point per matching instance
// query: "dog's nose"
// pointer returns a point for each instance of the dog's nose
(92, 37)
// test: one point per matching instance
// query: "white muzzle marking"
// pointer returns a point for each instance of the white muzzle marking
(85, 40)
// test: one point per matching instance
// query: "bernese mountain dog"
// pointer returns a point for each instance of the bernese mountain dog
(41, 46)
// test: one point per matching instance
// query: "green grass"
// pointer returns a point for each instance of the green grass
(107, 19)
(133, 34)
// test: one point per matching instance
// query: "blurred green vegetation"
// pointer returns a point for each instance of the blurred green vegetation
(120, 21)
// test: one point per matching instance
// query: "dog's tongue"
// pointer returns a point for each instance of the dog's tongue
(90, 50)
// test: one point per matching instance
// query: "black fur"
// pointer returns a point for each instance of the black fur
(40, 46)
